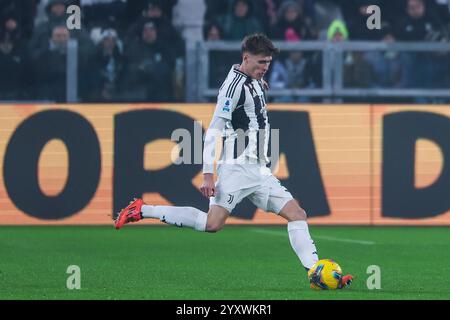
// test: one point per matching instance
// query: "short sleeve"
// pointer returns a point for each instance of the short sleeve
(229, 96)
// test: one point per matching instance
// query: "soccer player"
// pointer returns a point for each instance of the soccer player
(241, 117)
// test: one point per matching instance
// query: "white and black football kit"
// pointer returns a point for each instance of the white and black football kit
(241, 118)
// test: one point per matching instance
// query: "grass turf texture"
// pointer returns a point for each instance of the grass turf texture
(240, 262)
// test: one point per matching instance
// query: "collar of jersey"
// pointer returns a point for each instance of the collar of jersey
(239, 72)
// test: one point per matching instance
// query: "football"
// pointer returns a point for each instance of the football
(325, 274)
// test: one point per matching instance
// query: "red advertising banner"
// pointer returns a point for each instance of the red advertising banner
(346, 164)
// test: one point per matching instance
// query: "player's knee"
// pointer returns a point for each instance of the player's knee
(295, 215)
(213, 227)
(302, 214)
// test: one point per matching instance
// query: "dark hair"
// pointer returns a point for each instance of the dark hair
(207, 26)
(259, 44)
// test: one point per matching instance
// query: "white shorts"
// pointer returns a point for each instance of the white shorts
(236, 182)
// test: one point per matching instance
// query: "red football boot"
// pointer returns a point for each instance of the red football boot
(346, 281)
(131, 213)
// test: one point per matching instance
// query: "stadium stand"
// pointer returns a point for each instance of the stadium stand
(135, 51)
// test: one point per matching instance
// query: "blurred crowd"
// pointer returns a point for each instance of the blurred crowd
(134, 51)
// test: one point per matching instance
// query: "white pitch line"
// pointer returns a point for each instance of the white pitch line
(365, 242)
(284, 234)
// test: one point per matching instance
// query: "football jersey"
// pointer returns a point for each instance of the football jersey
(242, 102)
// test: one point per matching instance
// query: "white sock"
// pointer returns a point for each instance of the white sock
(178, 216)
(302, 243)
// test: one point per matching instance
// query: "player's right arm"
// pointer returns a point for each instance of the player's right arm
(209, 153)
(227, 102)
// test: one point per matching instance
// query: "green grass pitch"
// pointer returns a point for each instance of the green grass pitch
(240, 262)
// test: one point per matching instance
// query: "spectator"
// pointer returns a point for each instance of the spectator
(293, 72)
(50, 67)
(391, 12)
(23, 11)
(337, 31)
(419, 24)
(220, 61)
(308, 9)
(167, 34)
(11, 29)
(358, 73)
(41, 15)
(104, 13)
(357, 23)
(56, 13)
(291, 23)
(386, 64)
(212, 32)
(441, 9)
(355, 15)
(39, 44)
(325, 13)
(216, 9)
(148, 77)
(240, 22)
(14, 63)
(136, 7)
(266, 13)
(421, 69)
(107, 68)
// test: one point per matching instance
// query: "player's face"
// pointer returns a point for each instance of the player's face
(416, 8)
(257, 65)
